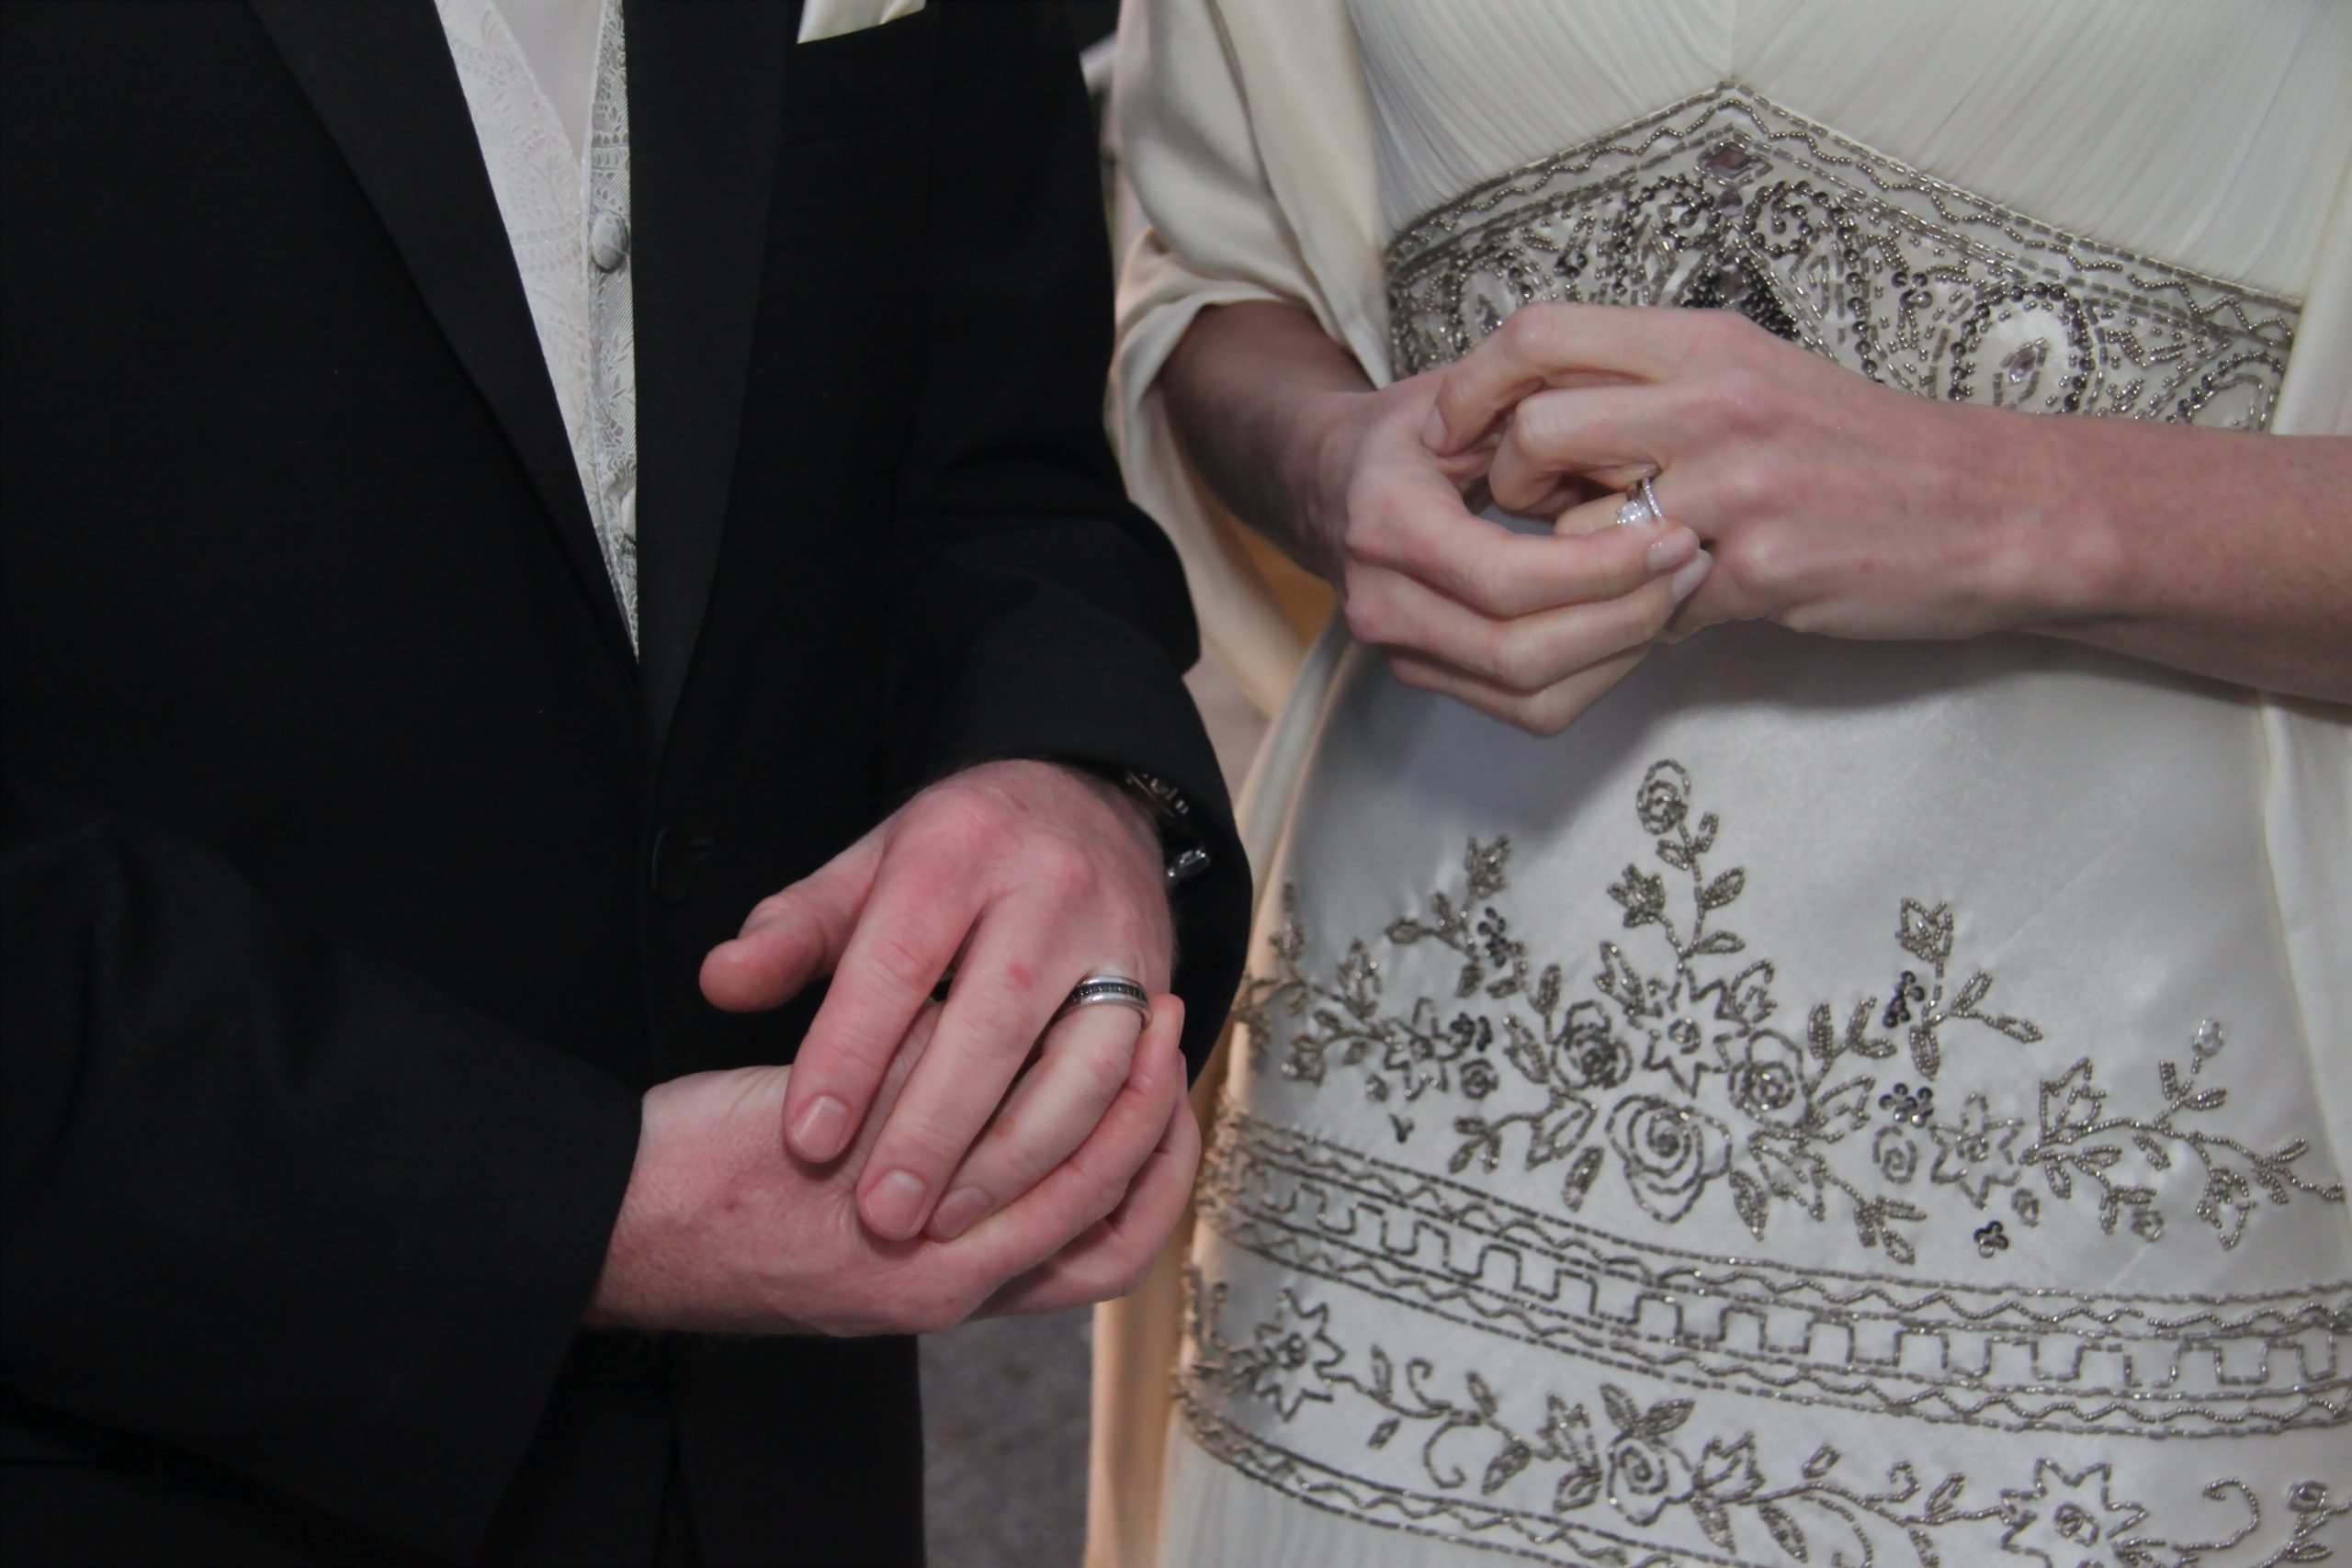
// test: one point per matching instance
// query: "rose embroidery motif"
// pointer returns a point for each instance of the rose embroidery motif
(1896, 1155)
(1479, 1079)
(1592, 1057)
(1670, 1151)
(1645, 1478)
(1768, 1079)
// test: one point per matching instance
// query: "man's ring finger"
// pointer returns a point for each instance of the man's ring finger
(1096, 990)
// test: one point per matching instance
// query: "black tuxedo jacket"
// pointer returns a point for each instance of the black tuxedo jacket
(356, 875)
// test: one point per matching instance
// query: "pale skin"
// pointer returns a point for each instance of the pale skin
(723, 1230)
(1047, 1159)
(1822, 501)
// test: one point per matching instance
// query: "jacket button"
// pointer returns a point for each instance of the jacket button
(675, 855)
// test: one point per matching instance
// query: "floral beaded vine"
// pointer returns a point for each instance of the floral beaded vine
(1679, 1073)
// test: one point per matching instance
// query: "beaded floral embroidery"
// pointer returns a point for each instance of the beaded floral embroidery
(1680, 1079)
(1530, 1469)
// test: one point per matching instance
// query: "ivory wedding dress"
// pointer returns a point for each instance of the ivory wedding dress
(1839, 1103)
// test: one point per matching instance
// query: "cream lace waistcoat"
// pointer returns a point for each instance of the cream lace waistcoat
(567, 210)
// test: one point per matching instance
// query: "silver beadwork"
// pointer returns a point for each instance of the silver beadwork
(1727, 199)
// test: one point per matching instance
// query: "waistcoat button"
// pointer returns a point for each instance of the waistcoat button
(608, 242)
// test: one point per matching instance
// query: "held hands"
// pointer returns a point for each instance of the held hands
(1023, 878)
(794, 1200)
(723, 1231)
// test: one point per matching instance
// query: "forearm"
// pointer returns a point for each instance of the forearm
(1251, 392)
(2220, 553)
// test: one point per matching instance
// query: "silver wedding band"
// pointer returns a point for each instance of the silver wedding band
(1640, 506)
(1098, 990)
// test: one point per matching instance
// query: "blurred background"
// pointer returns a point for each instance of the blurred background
(1005, 1402)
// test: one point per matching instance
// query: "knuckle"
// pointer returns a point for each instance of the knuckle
(1530, 328)
(1413, 673)
(903, 961)
(1718, 333)
(1755, 558)
(1103, 1073)
(1102, 1195)
(1546, 714)
(1486, 581)
(1369, 617)
(1063, 869)
(1541, 428)
(1743, 401)
(1746, 484)
(921, 1142)
(960, 817)
(1765, 474)
(1515, 659)
(1369, 533)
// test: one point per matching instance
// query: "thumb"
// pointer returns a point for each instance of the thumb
(793, 937)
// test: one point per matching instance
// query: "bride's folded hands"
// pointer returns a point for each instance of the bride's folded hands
(1528, 628)
(1835, 505)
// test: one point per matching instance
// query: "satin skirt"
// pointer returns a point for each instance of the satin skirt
(1836, 1099)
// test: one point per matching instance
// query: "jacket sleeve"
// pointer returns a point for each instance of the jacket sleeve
(273, 1205)
(1055, 613)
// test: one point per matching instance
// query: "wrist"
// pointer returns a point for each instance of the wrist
(670, 1263)
(1141, 822)
(628, 1289)
(2053, 548)
(1318, 460)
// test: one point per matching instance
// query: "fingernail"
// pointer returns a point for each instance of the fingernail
(958, 1212)
(1693, 573)
(895, 1206)
(822, 1129)
(1671, 551)
(1433, 430)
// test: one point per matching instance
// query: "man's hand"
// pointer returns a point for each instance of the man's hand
(723, 1231)
(1023, 878)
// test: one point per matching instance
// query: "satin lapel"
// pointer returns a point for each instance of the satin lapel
(705, 95)
(380, 77)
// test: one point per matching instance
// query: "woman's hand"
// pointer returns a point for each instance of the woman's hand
(1281, 423)
(1831, 504)
(1526, 628)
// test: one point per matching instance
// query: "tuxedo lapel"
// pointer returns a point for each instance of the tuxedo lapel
(706, 106)
(380, 76)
